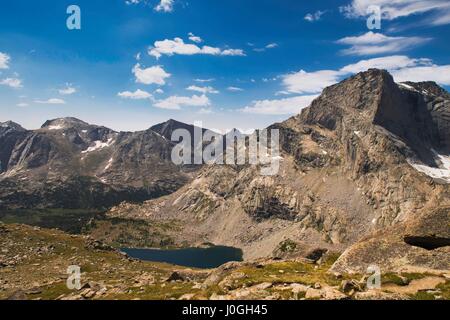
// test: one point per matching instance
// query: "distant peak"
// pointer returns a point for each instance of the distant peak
(426, 87)
(63, 123)
(11, 125)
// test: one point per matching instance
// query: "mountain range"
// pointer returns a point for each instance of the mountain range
(365, 171)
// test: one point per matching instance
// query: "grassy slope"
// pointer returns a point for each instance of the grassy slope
(35, 262)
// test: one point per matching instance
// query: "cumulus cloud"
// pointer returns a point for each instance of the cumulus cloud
(310, 82)
(203, 90)
(285, 106)
(165, 6)
(4, 60)
(68, 90)
(12, 83)
(396, 9)
(137, 95)
(152, 75)
(195, 38)
(176, 102)
(51, 101)
(372, 43)
(311, 17)
(177, 46)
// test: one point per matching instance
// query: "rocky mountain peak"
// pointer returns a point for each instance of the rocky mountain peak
(357, 99)
(417, 113)
(64, 123)
(166, 129)
(426, 88)
(10, 125)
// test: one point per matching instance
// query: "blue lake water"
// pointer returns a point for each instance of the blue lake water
(212, 257)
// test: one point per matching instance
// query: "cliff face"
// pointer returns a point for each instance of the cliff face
(368, 154)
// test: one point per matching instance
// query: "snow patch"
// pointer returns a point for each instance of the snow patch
(443, 172)
(406, 86)
(108, 165)
(55, 127)
(98, 145)
(160, 135)
(410, 88)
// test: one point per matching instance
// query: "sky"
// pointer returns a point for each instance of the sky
(225, 64)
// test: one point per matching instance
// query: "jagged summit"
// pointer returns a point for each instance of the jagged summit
(417, 113)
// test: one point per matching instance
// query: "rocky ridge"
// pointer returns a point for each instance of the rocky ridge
(361, 159)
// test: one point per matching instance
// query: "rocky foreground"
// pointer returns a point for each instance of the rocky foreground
(34, 261)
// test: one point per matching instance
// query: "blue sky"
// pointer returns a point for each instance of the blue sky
(234, 63)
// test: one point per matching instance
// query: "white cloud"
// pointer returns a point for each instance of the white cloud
(68, 90)
(388, 63)
(310, 82)
(177, 46)
(402, 68)
(439, 74)
(233, 52)
(372, 43)
(12, 82)
(159, 91)
(280, 107)
(22, 104)
(152, 75)
(204, 80)
(137, 95)
(176, 102)
(195, 38)
(165, 6)
(234, 89)
(394, 9)
(4, 60)
(269, 46)
(311, 17)
(203, 90)
(51, 101)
